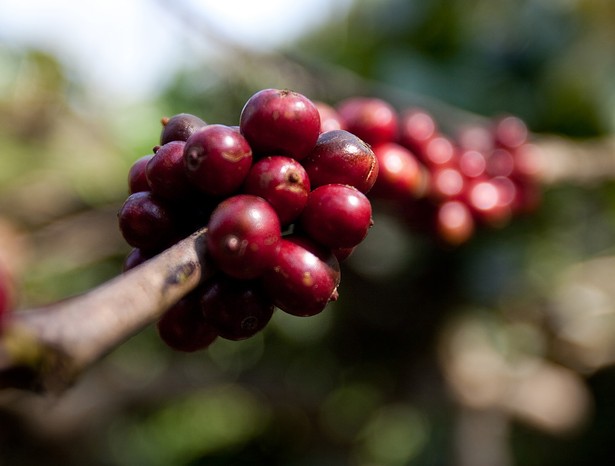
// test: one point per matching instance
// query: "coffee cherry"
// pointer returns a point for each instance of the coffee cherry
(472, 163)
(438, 151)
(283, 182)
(165, 172)
(371, 119)
(304, 277)
(329, 118)
(488, 202)
(183, 327)
(237, 309)
(280, 122)
(341, 157)
(217, 159)
(135, 258)
(337, 216)
(400, 175)
(417, 128)
(146, 222)
(454, 222)
(446, 183)
(179, 127)
(137, 180)
(510, 132)
(243, 233)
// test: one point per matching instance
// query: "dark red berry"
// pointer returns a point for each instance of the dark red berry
(243, 233)
(417, 128)
(337, 215)
(304, 277)
(280, 122)
(135, 258)
(341, 157)
(179, 127)
(371, 119)
(217, 159)
(510, 132)
(146, 222)
(137, 180)
(472, 163)
(438, 151)
(329, 118)
(283, 182)
(454, 222)
(183, 327)
(500, 162)
(237, 309)
(489, 202)
(165, 172)
(400, 175)
(446, 183)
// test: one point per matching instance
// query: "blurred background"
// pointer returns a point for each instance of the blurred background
(497, 352)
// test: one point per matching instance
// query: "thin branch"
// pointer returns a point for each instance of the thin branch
(46, 349)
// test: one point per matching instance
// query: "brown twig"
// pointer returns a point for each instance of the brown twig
(46, 349)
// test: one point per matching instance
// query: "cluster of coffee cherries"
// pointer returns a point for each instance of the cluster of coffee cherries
(442, 184)
(283, 202)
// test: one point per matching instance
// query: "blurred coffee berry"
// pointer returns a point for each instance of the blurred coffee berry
(281, 122)
(137, 180)
(243, 233)
(417, 128)
(146, 222)
(329, 118)
(165, 172)
(510, 132)
(400, 175)
(183, 327)
(237, 309)
(135, 258)
(371, 119)
(341, 157)
(281, 181)
(337, 216)
(217, 159)
(179, 127)
(304, 277)
(454, 222)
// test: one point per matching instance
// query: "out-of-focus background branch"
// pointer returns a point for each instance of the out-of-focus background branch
(498, 352)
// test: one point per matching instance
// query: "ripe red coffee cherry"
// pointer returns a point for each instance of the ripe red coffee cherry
(417, 128)
(472, 163)
(280, 122)
(400, 175)
(439, 151)
(183, 327)
(446, 183)
(329, 118)
(454, 222)
(337, 216)
(237, 309)
(243, 233)
(371, 119)
(146, 222)
(135, 258)
(217, 159)
(137, 180)
(165, 172)
(488, 202)
(510, 132)
(304, 277)
(283, 182)
(341, 157)
(179, 127)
